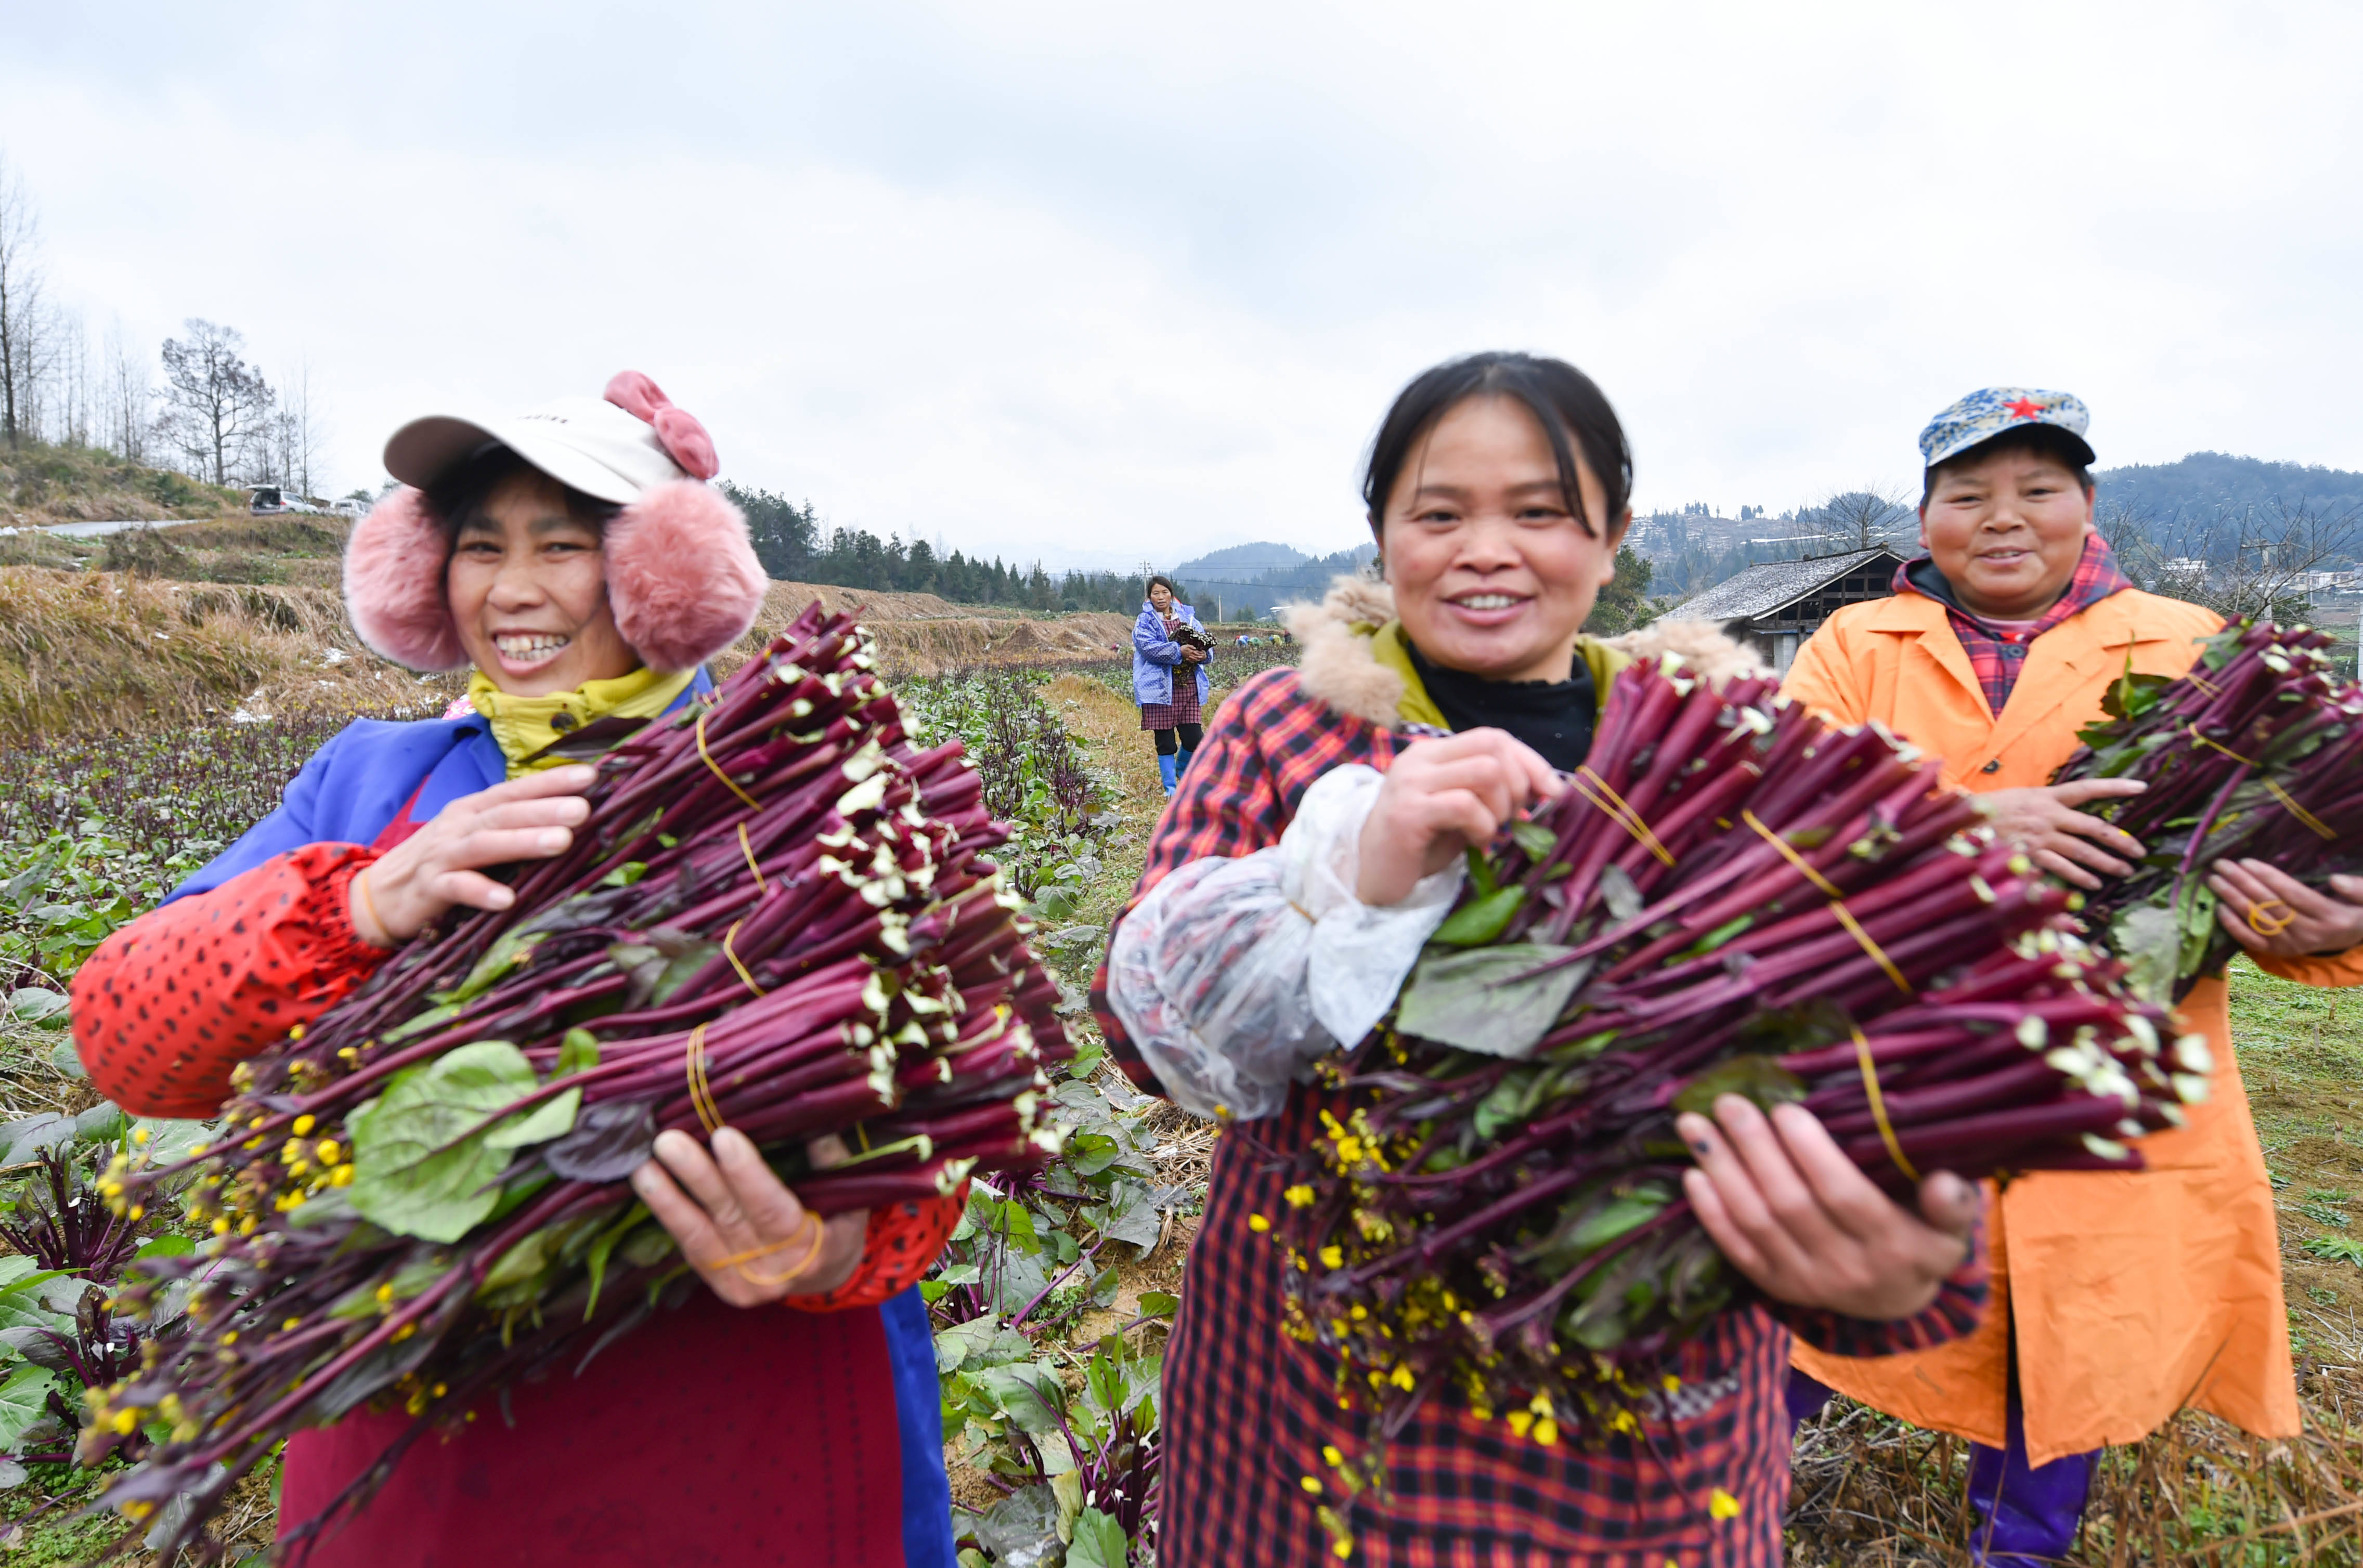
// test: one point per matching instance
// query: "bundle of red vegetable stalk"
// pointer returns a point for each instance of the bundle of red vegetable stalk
(2256, 753)
(1732, 896)
(776, 917)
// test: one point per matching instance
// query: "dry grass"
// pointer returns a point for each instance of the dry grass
(919, 633)
(109, 650)
(134, 648)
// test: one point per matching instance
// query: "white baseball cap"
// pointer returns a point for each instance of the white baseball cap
(585, 443)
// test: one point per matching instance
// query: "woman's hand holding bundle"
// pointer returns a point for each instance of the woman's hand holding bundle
(442, 864)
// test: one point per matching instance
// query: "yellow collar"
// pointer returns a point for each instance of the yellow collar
(524, 726)
(1390, 648)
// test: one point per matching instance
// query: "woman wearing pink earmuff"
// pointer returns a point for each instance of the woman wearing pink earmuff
(576, 557)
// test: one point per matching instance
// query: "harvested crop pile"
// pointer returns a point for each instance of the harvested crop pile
(1732, 896)
(776, 918)
(2256, 753)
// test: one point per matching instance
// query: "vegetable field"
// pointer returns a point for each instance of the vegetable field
(1052, 1303)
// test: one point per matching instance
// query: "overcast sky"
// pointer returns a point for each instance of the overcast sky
(1105, 283)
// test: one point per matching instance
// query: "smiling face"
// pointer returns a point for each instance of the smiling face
(528, 589)
(1493, 574)
(2007, 531)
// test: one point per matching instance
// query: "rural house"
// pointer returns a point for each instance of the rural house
(1778, 605)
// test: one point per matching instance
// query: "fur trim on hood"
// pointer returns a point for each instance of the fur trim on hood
(682, 576)
(1338, 670)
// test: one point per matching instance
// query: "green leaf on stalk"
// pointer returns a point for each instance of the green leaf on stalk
(554, 1117)
(1499, 1109)
(24, 1398)
(1027, 1392)
(433, 1018)
(1481, 873)
(424, 1160)
(578, 1052)
(623, 875)
(1474, 924)
(1759, 1079)
(1158, 1304)
(509, 951)
(1488, 1000)
(1619, 893)
(2148, 941)
(660, 963)
(1099, 1542)
(595, 1260)
(1719, 935)
(1127, 1216)
(166, 1247)
(1537, 839)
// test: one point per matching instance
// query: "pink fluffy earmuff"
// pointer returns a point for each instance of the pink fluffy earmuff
(682, 576)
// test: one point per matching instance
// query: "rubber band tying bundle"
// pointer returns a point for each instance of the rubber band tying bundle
(707, 757)
(1596, 789)
(2288, 802)
(1837, 902)
(1879, 1106)
(701, 1094)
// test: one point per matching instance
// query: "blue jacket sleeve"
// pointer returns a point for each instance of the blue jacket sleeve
(1149, 641)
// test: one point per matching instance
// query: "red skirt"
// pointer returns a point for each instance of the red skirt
(713, 1436)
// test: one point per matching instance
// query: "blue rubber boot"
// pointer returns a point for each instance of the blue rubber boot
(1181, 766)
(1167, 771)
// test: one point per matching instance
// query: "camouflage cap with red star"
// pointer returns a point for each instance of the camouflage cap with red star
(1988, 411)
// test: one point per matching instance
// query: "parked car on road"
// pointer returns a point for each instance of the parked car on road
(270, 498)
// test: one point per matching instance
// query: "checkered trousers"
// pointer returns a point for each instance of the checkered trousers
(1249, 1410)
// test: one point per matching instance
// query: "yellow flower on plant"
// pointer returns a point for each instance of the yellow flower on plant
(1331, 1457)
(1546, 1432)
(1258, 1223)
(1332, 1256)
(1299, 1197)
(1402, 1378)
(303, 1125)
(1721, 1504)
(1311, 1484)
(1520, 1420)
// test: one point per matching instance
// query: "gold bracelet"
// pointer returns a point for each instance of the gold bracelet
(369, 902)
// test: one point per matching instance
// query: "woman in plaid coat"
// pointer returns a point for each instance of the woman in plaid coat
(1497, 488)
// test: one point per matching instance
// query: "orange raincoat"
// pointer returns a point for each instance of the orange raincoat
(2133, 1294)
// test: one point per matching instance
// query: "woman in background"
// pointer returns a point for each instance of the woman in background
(1166, 642)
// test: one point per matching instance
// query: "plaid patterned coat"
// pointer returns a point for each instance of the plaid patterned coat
(1248, 1411)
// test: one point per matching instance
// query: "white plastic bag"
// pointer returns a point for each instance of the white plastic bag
(1233, 976)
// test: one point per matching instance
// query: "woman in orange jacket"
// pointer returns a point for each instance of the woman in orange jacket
(2119, 1298)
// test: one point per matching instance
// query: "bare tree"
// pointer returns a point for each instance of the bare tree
(128, 398)
(2239, 560)
(307, 431)
(1866, 517)
(217, 409)
(23, 354)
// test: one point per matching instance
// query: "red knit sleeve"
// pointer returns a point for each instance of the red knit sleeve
(902, 1244)
(172, 1003)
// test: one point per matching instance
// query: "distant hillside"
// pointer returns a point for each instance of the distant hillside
(1257, 577)
(2205, 481)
